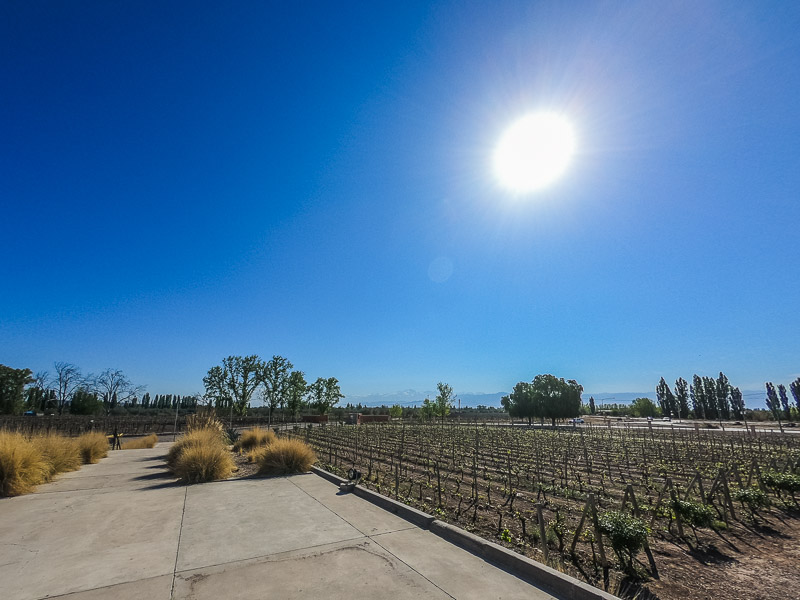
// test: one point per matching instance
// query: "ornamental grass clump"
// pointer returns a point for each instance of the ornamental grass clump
(22, 464)
(284, 456)
(205, 462)
(143, 442)
(211, 436)
(205, 419)
(254, 438)
(627, 534)
(92, 447)
(61, 453)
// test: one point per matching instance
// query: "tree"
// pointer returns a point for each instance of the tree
(66, 380)
(697, 392)
(114, 388)
(520, 402)
(275, 377)
(333, 393)
(232, 385)
(324, 394)
(427, 410)
(737, 403)
(773, 403)
(85, 402)
(37, 394)
(592, 407)
(559, 399)
(710, 396)
(795, 387)
(444, 401)
(666, 400)
(723, 396)
(682, 397)
(787, 413)
(644, 407)
(295, 392)
(396, 411)
(547, 397)
(12, 389)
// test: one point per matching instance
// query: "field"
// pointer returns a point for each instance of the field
(719, 506)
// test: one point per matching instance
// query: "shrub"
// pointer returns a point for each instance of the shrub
(205, 462)
(194, 438)
(92, 446)
(284, 456)
(626, 533)
(254, 438)
(22, 465)
(144, 442)
(60, 453)
(693, 513)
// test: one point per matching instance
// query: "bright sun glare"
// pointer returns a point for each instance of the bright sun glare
(534, 152)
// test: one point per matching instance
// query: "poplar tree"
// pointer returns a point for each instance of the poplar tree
(723, 393)
(666, 400)
(795, 386)
(737, 403)
(710, 397)
(682, 397)
(773, 402)
(698, 399)
(787, 413)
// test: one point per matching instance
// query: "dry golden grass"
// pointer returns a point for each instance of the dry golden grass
(200, 463)
(143, 442)
(191, 439)
(22, 465)
(254, 438)
(60, 453)
(204, 419)
(284, 456)
(92, 446)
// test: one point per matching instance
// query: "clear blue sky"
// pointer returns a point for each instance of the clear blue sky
(182, 181)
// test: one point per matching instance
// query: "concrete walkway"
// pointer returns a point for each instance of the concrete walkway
(123, 529)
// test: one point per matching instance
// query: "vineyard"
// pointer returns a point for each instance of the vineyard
(597, 502)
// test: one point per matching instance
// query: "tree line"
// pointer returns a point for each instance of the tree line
(67, 390)
(232, 386)
(710, 398)
(778, 400)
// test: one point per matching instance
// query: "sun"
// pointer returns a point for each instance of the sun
(534, 152)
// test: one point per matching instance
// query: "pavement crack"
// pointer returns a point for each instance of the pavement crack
(327, 508)
(178, 549)
(428, 579)
(372, 538)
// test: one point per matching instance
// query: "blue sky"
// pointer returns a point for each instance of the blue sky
(184, 181)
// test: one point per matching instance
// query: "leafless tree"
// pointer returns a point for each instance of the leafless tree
(114, 387)
(66, 380)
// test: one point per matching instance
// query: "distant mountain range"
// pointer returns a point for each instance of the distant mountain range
(473, 399)
(753, 399)
(415, 398)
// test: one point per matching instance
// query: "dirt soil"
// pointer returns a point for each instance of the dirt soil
(243, 468)
(754, 560)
